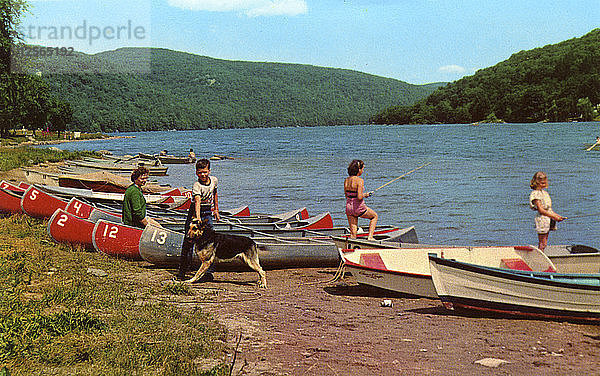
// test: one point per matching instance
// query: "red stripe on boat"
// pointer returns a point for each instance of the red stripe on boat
(516, 264)
(522, 248)
(324, 222)
(243, 213)
(39, 204)
(372, 260)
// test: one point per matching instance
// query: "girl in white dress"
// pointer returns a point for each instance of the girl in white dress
(540, 200)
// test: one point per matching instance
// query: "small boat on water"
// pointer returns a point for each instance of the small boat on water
(117, 240)
(406, 270)
(167, 159)
(154, 170)
(65, 227)
(462, 285)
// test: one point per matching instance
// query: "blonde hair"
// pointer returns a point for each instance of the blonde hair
(537, 177)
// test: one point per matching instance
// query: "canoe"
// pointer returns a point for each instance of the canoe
(11, 187)
(321, 221)
(167, 159)
(397, 239)
(117, 240)
(574, 258)
(39, 204)
(541, 295)
(65, 227)
(10, 201)
(121, 167)
(104, 181)
(406, 270)
(162, 247)
(90, 195)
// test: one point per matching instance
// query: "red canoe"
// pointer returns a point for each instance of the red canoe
(10, 187)
(117, 240)
(79, 208)
(65, 227)
(10, 201)
(40, 204)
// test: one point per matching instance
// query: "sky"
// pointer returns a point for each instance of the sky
(416, 41)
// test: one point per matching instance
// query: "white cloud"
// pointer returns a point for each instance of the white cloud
(452, 69)
(252, 8)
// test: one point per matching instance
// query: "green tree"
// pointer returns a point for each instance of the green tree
(586, 109)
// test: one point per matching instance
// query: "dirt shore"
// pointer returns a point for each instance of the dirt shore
(303, 326)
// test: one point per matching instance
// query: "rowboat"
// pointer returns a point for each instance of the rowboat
(406, 270)
(117, 240)
(39, 204)
(65, 227)
(121, 167)
(463, 285)
(574, 258)
(167, 159)
(162, 247)
(10, 201)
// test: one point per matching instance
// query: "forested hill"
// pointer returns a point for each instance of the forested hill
(177, 90)
(558, 82)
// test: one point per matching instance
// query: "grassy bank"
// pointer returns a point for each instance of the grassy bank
(66, 311)
(26, 156)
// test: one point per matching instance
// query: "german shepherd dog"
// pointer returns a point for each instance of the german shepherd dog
(211, 245)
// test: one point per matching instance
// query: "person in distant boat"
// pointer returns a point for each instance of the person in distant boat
(192, 155)
(134, 203)
(356, 208)
(205, 206)
(539, 200)
(164, 152)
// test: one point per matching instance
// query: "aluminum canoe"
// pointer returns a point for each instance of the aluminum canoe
(161, 246)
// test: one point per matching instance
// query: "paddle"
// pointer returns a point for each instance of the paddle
(400, 177)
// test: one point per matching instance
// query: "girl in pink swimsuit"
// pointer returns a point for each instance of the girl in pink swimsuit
(355, 204)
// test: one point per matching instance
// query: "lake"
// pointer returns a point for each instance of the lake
(474, 192)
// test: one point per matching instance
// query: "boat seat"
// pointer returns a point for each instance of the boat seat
(372, 260)
(516, 264)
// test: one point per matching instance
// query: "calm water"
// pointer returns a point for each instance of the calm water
(474, 192)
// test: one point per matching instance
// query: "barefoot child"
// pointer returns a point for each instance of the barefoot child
(354, 187)
(539, 200)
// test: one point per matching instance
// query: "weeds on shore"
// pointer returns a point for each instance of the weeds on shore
(29, 156)
(58, 318)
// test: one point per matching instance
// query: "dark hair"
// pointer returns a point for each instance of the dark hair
(355, 166)
(202, 163)
(141, 170)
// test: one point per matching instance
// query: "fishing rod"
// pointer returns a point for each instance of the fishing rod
(583, 216)
(400, 177)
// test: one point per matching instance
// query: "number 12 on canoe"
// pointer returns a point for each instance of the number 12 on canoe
(117, 240)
